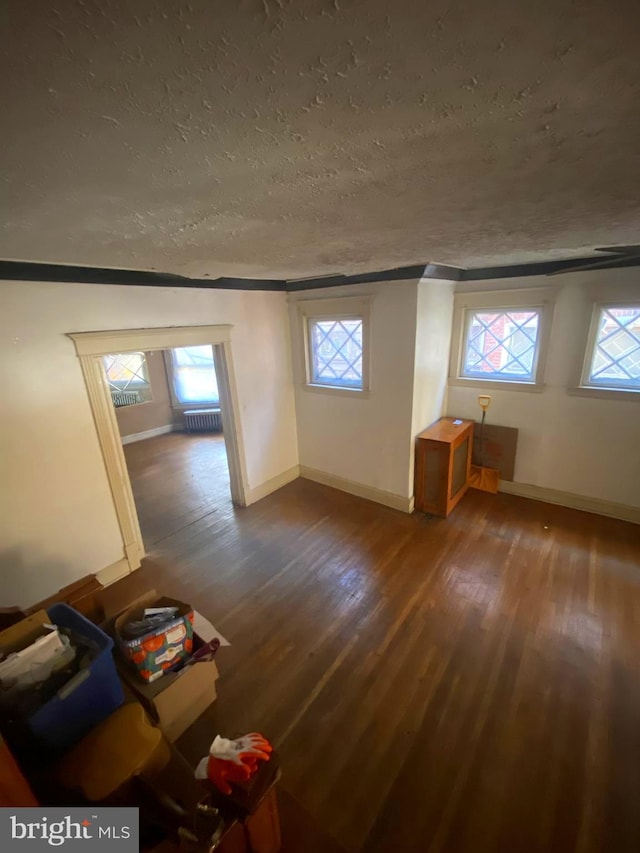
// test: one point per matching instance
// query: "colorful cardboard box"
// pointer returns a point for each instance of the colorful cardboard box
(178, 698)
(161, 649)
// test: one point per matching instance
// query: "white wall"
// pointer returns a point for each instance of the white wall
(57, 521)
(434, 313)
(363, 441)
(587, 446)
(157, 412)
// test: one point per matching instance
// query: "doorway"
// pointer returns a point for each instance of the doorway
(91, 347)
(168, 411)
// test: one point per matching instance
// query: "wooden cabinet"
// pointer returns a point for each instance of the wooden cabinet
(443, 463)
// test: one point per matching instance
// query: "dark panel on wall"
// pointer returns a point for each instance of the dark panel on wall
(498, 449)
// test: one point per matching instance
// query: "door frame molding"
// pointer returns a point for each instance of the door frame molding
(91, 346)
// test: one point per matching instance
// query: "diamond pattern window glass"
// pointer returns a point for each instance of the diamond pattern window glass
(127, 377)
(336, 352)
(615, 362)
(125, 370)
(502, 345)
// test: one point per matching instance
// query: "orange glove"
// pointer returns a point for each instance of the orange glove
(233, 760)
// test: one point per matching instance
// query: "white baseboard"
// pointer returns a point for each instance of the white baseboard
(553, 496)
(149, 433)
(114, 572)
(359, 489)
(272, 485)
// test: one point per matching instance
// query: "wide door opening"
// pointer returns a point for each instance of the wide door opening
(169, 416)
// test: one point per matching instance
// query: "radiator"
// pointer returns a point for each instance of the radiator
(203, 420)
(125, 398)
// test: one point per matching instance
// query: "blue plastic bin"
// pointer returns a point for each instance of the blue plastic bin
(92, 694)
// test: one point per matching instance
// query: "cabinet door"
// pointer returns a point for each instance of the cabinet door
(432, 477)
(459, 471)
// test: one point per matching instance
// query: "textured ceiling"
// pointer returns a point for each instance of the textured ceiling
(283, 138)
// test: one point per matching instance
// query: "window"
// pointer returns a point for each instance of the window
(613, 356)
(500, 338)
(333, 340)
(336, 352)
(194, 376)
(128, 378)
(501, 345)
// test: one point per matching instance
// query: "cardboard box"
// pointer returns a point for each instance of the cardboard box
(177, 699)
(161, 648)
(23, 633)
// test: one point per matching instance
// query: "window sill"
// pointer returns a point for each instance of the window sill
(337, 392)
(131, 405)
(496, 385)
(181, 407)
(604, 393)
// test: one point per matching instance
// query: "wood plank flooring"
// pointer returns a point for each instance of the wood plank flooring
(176, 480)
(462, 685)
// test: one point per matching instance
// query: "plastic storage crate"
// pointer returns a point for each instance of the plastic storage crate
(89, 697)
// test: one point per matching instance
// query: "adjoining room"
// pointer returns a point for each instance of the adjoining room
(167, 407)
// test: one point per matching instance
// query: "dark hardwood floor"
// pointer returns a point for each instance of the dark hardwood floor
(176, 480)
(462, 685)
